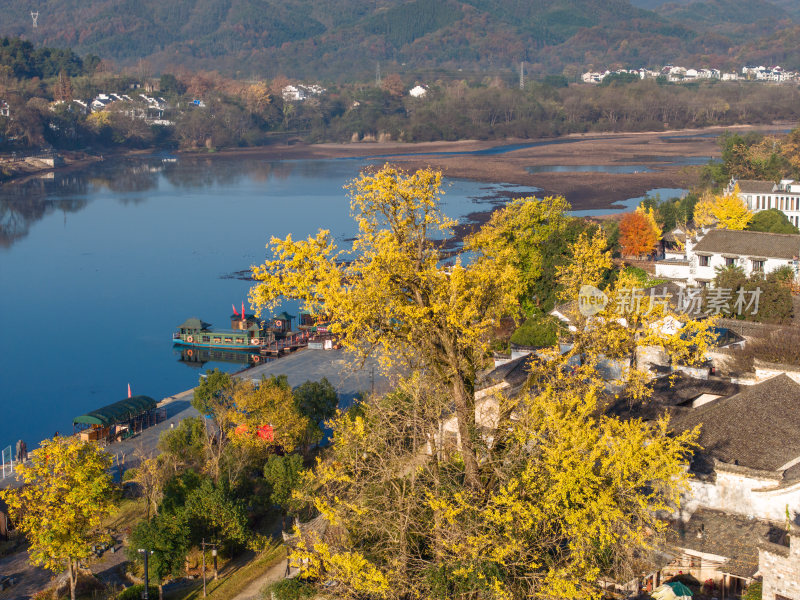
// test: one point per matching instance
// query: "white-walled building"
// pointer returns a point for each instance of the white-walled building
(763, 195)
(753, 251)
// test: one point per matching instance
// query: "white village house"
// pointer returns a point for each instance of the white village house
(753, 251)
(763, 195)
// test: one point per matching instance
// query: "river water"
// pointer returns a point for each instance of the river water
(99, 266)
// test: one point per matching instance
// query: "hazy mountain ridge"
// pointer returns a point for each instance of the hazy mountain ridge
(336, 38)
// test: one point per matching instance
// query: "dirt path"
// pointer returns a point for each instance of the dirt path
(30, 579)
(271, 575)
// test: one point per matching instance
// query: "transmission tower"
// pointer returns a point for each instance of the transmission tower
(522, 75)
(35, 17)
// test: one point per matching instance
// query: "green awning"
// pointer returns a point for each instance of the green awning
(194, 323)
(118, 412)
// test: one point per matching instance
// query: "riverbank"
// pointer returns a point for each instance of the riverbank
(669, 159)
(19, 169)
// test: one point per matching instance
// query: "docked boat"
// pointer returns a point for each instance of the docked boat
(245, 333)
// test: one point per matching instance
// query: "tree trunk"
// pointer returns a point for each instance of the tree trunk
(160, 591)
(73, 577)
(465, 414)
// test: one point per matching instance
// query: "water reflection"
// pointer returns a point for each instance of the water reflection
(198, 357)
(25, 202)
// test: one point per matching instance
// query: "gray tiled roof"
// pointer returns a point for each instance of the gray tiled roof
(670, 392)
(750, 243)
(758, 428)
(734, 537)
(754, 186)
(514, 373)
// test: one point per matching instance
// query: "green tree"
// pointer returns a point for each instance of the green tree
(185, 444)
(283, 474)
(166, 536)
(67, 491)
(538, 331)
(317, 400)
(213, 391)
(772, 221)
(523, 237)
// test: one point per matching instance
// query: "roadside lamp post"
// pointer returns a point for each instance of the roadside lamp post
(146, 593)
(204, 566)
(214, 554)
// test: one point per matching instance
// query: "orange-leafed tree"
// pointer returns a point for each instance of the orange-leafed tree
(636, 235)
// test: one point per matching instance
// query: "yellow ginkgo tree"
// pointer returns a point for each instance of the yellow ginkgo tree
(67, 491)
(391, 294)
(727, 211)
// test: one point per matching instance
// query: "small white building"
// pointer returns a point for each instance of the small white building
(301, 92)
(753, 251)
(293, 93)
(763, 195)
(5, 110)
(417, 91)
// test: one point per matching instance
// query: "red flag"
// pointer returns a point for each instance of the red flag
(242, 309)
(129, 390)
(234, 310)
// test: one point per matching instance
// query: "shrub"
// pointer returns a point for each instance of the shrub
(289, 589)
(643, 278)
(538, 331)
(753, 591)
(135, 592)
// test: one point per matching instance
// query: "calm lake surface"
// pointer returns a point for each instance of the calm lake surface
(99, 266)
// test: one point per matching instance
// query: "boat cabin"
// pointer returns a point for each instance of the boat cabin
(282, 324)
(237, 322)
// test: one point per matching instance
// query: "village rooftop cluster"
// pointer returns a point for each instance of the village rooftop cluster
(677, 74)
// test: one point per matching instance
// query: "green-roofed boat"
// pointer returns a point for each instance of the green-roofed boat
(246, 333)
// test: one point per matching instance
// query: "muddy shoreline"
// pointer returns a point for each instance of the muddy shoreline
(662, 155)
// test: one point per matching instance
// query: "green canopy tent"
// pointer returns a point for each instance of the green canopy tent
(680, 590)
(119, 412)
(673, 590)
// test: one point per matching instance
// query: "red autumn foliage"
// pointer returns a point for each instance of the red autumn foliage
(636, 236)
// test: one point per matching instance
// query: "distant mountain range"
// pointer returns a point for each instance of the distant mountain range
(348, 38)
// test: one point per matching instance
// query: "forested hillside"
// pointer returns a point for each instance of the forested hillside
(345, 39)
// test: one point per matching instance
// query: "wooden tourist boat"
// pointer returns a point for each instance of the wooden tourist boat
(246, 333)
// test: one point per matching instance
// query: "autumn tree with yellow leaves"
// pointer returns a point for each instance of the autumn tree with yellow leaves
(726, 211)
(568, 495)
(434, 490)
(67, 491)
(391, 293)
(590, 260)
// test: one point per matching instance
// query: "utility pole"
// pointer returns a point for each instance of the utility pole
(146, 553)
(522, 75)
(378, 75)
